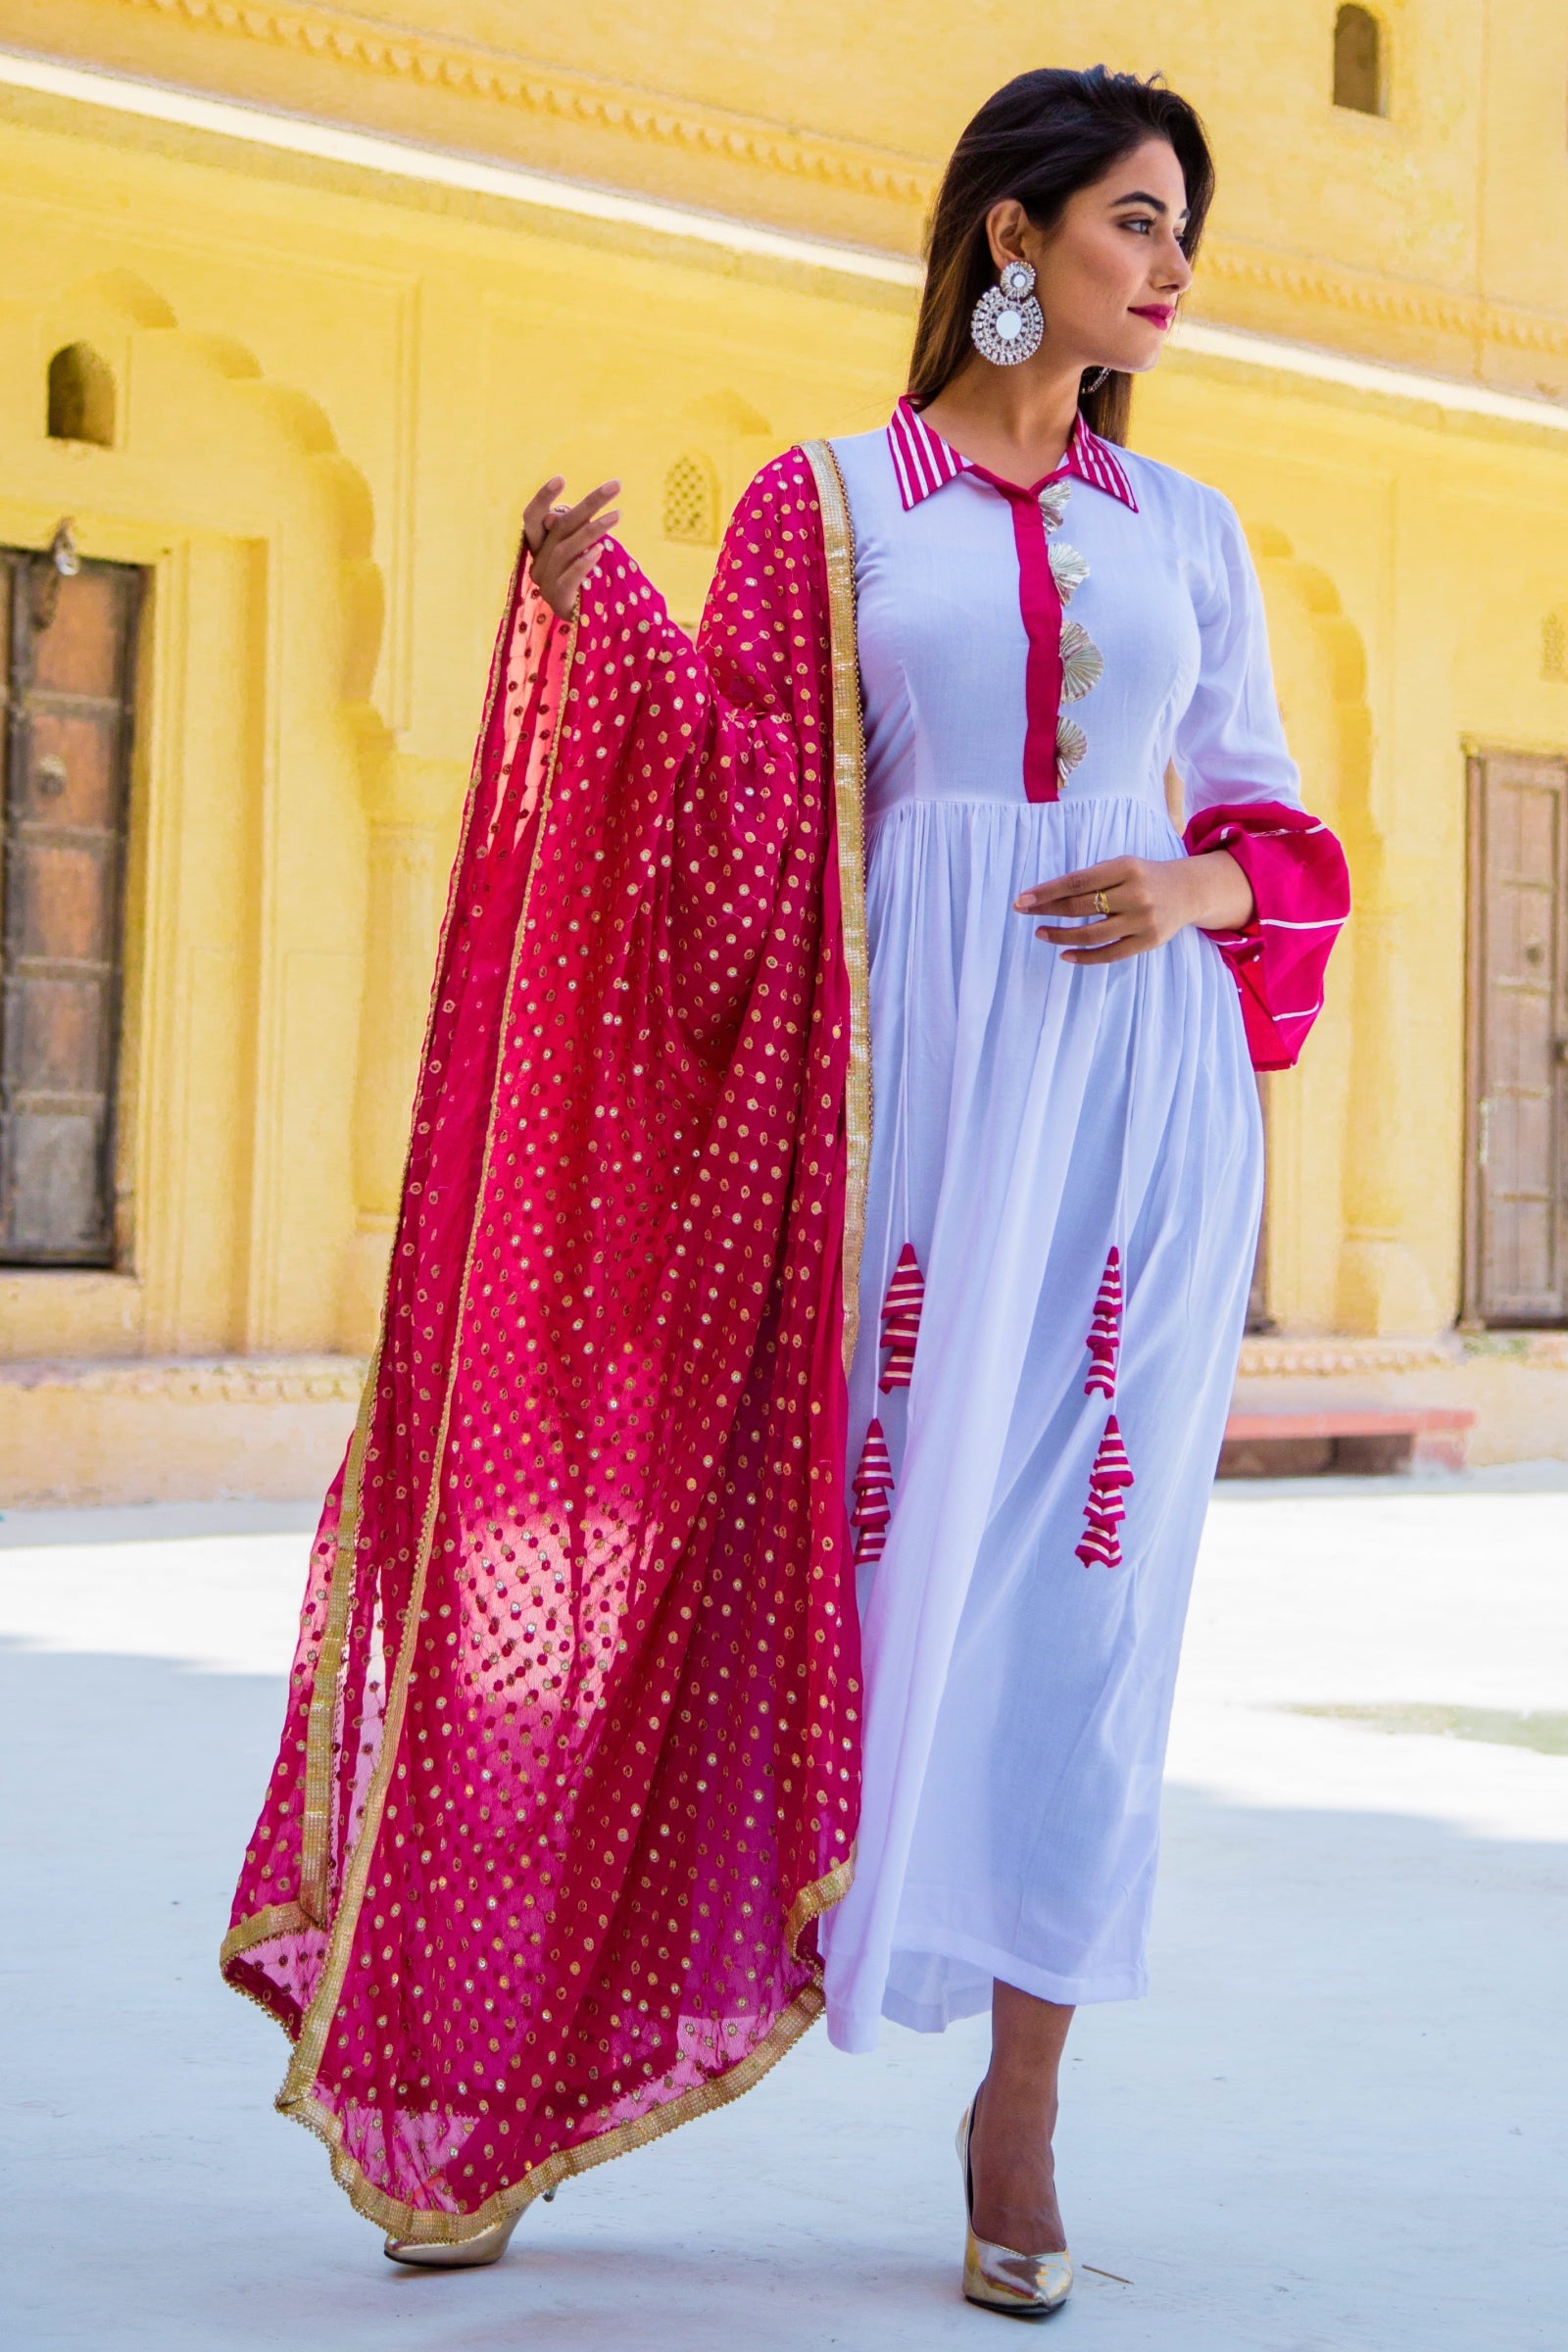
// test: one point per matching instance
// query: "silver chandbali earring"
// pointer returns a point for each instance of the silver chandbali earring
(1007, 322)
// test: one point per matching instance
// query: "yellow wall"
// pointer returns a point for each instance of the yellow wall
(331, 408)
(335, 392)
(1422, 234)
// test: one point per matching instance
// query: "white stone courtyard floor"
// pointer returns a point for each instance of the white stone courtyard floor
(1339, 2120)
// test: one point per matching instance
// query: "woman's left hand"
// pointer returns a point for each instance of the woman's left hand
(1144, 901)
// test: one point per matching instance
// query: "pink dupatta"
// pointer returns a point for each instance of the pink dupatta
(571, 1761)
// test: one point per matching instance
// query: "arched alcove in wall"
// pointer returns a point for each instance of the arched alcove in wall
(258, 748)
(79, 396)
(1315, 1179)
(204, 406)
(1361, 62)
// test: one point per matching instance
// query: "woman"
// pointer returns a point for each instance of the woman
(687, 1366)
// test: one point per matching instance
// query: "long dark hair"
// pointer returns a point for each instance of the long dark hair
(1040, 139)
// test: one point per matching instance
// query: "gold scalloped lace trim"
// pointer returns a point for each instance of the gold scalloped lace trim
(849, 794)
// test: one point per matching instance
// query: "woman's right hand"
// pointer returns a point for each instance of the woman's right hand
(565, 542)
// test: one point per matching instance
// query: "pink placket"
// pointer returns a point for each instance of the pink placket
(1040, 602)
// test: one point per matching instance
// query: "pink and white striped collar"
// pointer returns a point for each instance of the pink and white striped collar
(923, 462)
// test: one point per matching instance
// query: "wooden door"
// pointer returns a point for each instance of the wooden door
(1516, 1208)
(69, 656)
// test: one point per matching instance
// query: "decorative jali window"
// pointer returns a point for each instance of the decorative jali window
(691, 501)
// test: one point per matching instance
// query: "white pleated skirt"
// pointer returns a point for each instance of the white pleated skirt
(1028, 1118)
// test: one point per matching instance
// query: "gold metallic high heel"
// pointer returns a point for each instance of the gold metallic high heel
(1027, 2286)
(473, 2254)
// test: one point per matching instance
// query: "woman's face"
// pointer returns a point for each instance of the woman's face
(1109, 275)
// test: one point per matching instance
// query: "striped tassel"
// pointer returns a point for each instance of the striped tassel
(1104, 1332)
(873, 1497)
(1105, 1511)
(900, 1320)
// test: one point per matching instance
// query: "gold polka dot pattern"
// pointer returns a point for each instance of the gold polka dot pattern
(570, 1762)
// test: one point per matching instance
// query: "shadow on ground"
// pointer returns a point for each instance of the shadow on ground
(1328, 2127)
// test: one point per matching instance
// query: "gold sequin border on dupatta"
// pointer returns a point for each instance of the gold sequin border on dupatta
(849, 833)
(849, 799)
(313, 1908)
(316, 1829)
(296, 2098)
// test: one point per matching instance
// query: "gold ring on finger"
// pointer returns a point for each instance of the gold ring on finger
(1102, 903)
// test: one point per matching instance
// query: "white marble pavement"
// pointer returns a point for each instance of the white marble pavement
(1338, 2120)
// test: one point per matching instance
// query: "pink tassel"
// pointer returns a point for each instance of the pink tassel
(1105, 1511)
(873, 1497)
(1104, 1332)
(900, 1320)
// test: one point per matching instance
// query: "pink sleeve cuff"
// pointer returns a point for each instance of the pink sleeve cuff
(1302, 896)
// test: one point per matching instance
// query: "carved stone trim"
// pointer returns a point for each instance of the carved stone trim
(469, 68)
(1540, 1349)
(474, 71)
(214, 1380)
(1295, 1359)
(1279, 1359)
(1388, 302)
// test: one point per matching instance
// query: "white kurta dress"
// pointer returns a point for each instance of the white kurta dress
(1031, 1120)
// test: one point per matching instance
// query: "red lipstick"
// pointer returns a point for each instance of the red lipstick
(1159, 313)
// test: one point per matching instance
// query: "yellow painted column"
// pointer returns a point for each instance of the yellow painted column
(428, 690)
(1384, 1289)
(1394, 1136)
(410, 803)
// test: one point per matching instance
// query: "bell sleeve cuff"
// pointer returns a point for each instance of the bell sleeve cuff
(1302, 896)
